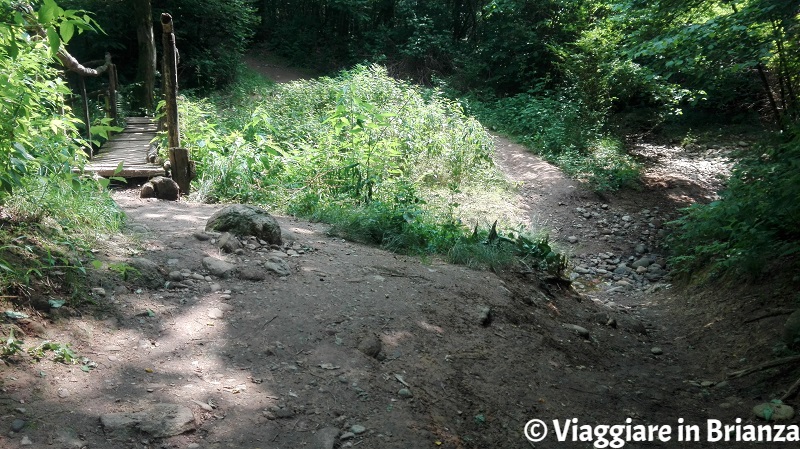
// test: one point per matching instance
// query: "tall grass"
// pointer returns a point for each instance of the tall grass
(382, 160)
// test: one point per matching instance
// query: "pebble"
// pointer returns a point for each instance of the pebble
(63, 393)
(17, 425)
(358, 429)
(25, 441)
(215, 287)
(99, 291)
(347, 436)
(405, 393)
(176, 276)
(582, 331)
(215, 313)
(773, 412)
(656, 350)
(572, 239)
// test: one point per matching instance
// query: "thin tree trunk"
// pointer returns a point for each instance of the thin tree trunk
(146, 70)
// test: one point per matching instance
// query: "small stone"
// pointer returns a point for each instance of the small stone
(484, 316)
(25, 441)
(580, 269)
(626, 218)
(284, 413)
(358, 429)
(193, 446)
(63, 393)
(706, 383)
(277, 266)
(405, 393)
(198, 277)
(228, 242)
(325, 438)
(572, 239)
(175, 276)
(656, 350)
(215, 313)
(640, 249)
(643, 262)
(99, 291)
(17, 424)
(582, 331)
(215, 287)
(347, 436)
(218, 267)
(773, 412)
(202, 236)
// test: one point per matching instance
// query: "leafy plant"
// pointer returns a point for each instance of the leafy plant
(10, 346)
(124, 270)
(752, 226)
(61, 352)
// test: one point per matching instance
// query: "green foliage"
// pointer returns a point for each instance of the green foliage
(61, 352)
(753, 226)
(48, 210)
(11, 346)
(565, 133)
(381, 160)
(211, 37)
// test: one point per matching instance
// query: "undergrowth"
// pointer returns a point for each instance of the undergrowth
(563, 133)
(752, 228)
(48, 228)
(383, 161)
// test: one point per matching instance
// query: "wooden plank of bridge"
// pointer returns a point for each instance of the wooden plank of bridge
(130, 147)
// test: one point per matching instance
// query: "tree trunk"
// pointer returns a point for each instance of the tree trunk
(146, 71)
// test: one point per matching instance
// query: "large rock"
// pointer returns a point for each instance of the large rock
(244, 220)
(161, 188)
(159, 421)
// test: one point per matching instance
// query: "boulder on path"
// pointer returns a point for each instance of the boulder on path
(161, 188)
(159, 421)
(244, 220)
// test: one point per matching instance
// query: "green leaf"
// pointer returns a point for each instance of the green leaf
(53, 40)
(47, 12)
(67, 30)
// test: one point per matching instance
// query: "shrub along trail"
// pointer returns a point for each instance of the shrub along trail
(354, 346)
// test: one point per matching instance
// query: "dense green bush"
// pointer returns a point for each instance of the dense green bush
(383, 161)
(46, 209)
(753, 226)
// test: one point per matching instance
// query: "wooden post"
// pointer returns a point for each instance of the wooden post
(86, 118)
(178, 157)
(112, 93)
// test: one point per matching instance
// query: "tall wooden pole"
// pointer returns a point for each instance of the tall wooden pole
(86, 117)
(178, 157)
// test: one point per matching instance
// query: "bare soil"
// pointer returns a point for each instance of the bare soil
(271, 363)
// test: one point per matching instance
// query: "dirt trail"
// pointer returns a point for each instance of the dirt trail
(287, 361)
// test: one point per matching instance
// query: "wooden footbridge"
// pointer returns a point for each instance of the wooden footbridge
(132, 153)
(133, 148)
